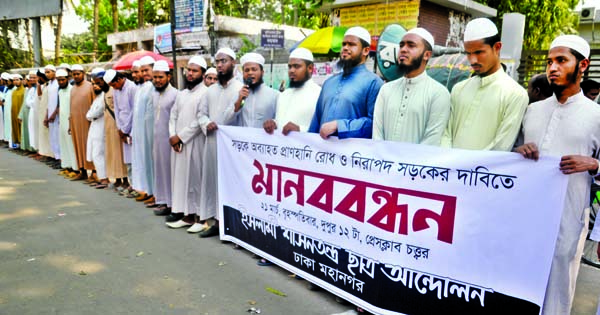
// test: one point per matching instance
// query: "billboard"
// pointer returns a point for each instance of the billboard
(12, 10)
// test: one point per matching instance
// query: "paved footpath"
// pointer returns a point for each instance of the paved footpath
(66, 248)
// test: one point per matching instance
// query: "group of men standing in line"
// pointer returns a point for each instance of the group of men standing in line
(159, 143)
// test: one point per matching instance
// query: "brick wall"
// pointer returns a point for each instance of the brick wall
(434, 18)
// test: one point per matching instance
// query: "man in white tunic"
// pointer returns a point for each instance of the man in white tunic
(256, 101)
(187, 142)
(7, 110)
(32, 100)
(142, 134)
(414, 108)
(566, 125)
(210, 77)
(51, 121)
(3, 88)
(163, 98)
(95, 138)
(68, 160)
(218, 98)
(296, 105)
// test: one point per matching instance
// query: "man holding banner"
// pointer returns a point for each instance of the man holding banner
(566, 125)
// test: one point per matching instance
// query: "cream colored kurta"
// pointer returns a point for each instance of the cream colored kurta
(297, 105)
(558, 130)
(186, 166)
(486, 113)
(213, 107)
(43, 138)
(67, 150)
(414, 110)
(32, 102)
(113, 149)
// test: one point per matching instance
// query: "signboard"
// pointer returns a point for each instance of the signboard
(375, 17)
(189, 15)
(272, 38)
(22, 9)
(185, 41)
(395, 228)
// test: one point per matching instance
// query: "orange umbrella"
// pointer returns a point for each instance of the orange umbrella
(127, 60)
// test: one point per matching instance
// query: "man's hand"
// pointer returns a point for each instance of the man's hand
(244, 92)
(570, 164)
(52, 117)
(212, 126)
(529, 151)
(290, 126)
(269, 125)
(46, 122)
(176, 143)
(328, 129)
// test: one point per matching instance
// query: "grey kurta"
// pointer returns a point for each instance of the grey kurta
(566, 129)
(161, 150)
(186, 166)
(218, 99)
(260, 105)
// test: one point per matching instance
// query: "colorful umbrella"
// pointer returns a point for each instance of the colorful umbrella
(326, 41)
(127, 60)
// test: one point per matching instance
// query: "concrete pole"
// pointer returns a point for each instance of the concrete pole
(37, 41)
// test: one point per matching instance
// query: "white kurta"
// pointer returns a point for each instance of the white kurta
(260, 105)
(7, 116)
(95, 141)
(31, 101)
(43, 138)
(218, 98)
(186, 166)
(67, 149)
(297, 105)
(566, 129)
(2, 93)
(142, 130)
(53, 127)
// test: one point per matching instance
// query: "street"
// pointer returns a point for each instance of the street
(66, 248)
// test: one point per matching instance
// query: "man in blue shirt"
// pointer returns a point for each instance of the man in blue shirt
(345, 105)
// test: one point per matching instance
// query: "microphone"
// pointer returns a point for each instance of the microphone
(247, 83)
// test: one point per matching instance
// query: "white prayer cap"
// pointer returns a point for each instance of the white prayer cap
(574, 42)
(5, 76)
(211, 70)
(146, 60)
(17, 76)
(49, 67)
(359, 32)
(253, 57)
(77, 68)
(109, 75)
(97, 70)
(302, 53)
(62, 73)
(27, 77)
(64, 66)
(479, 28)
(161, 65)
(198, 60)
(32, 72)
(423, 33)
(136, 64)
(227, 51)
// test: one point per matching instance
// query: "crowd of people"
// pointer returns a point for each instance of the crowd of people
(149, 141)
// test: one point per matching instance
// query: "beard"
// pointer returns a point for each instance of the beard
(190, 85)
(571, 78)
(255, 86)
(161, 88)
(348, 64)
(97, 92)
(415, 64)
(224, 77)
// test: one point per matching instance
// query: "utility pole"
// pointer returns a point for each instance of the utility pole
(173, 39)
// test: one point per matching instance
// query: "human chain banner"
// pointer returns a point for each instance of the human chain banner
(395, 228)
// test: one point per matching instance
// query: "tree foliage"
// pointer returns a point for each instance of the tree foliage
(544, 19)
(12, 57)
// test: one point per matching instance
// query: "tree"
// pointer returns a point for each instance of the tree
(545, 19)
(96, 18)
(12, 57)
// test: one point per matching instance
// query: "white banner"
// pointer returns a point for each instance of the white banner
(395, 228)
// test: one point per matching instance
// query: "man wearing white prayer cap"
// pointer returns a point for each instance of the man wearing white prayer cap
(7, 108)
(141, 134)
(210, 77)
(135, 72)
(51, 120)
(82, 97)
(566, 124)
(215, 103)
(345, 106)
(414, 108)
(18, 96)
(296, 105)
(163, 99)
(187, 141)
(487, 108)
(4, 79)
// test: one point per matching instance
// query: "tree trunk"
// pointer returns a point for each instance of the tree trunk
(115, 15)
(29, 41)
(282, 2)
(140, 13)
(57, 33)
(96, 20)
(295, 14)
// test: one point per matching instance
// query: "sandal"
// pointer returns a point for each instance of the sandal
(263, 262)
